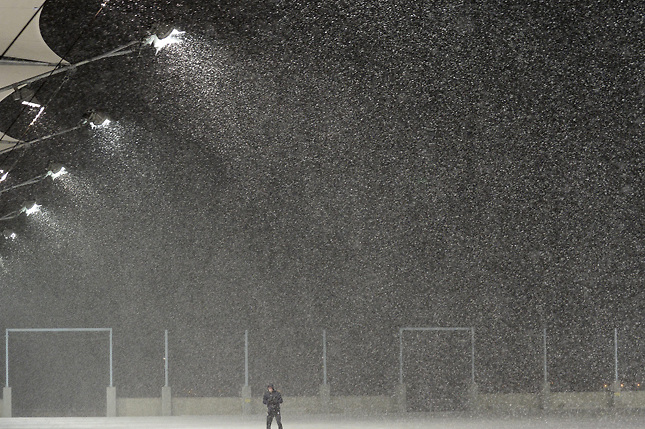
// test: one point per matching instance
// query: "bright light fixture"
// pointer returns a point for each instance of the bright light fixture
(102, 124)
(173, 37)
(4, 172)
(32, 104)
(9, 234)
(56, 170)
(30, 208)
(96, 119)
(40, 112)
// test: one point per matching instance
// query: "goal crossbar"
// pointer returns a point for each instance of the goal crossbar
(432, 328)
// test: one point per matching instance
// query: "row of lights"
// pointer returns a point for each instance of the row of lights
(93, 119)
(54, 171)
(161, 37)
(632, 386)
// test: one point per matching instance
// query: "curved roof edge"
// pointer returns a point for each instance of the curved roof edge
(8, 143)
(25, 53)
(20, 36)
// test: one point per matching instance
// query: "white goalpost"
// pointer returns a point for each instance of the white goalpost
(6, 396)
(109, 330)
(448, 329)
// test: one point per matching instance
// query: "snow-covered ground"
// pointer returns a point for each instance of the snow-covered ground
(319, 422)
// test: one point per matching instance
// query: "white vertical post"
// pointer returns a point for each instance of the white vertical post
(472, 354)
(325, 391)
(324, 356)
(246, 389)
(246, 357)
(616, 355)
(6, 357)
(166, 357)
(111, 370)
(400, 355)
(111, 390)
(166, 391)
(544, 361)
(545, 392)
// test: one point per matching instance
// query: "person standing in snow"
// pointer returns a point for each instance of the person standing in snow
(272, 399)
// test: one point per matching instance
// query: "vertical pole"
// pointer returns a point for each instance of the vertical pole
(401, 394)
(246, 357)
(246, 389)
(6, 357)
(324, 357)
(166, 392)
(616, 354)
(111, 371)
(400, 355)
(324, 391)
(472, 354)
(166, 356)
(544, 361)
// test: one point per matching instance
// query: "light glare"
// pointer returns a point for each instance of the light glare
(173, 38)
(96, 119)
(32, 208)
(103, 124)
(32, 104)
(40, 112)
(56, 171)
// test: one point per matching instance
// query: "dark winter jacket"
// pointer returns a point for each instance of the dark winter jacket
(272, 400)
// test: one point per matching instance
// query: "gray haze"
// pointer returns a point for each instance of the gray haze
(349, 166)
(308, 422)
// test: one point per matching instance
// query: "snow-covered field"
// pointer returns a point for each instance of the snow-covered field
(416, 421)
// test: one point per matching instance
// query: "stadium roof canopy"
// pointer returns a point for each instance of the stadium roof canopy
(23, 52)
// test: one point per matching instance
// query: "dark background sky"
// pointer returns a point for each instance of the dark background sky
(355, 166)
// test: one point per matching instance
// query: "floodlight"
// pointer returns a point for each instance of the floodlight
(163, 39)
(166, 38)
(30, 207)
(27, 97)
(32, 104)
(9, 234)
(96, 119)
(92, 118)
(56, 170)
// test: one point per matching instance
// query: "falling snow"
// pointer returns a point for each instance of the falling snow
(356, 167)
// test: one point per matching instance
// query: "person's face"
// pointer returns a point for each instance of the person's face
(270, 389)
